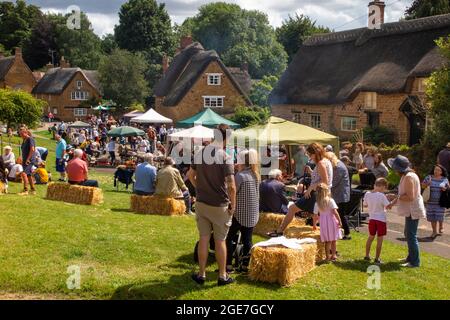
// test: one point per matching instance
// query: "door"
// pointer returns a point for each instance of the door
(415, 112)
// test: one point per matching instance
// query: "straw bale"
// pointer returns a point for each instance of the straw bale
(269, 222)
(74, 194)
(281, 265)
(157, 205)
(301, 232)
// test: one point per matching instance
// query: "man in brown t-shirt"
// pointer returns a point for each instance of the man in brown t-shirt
(212, 174)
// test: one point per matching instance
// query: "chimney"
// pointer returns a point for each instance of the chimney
(165, 63)
(63, 63)
(376, 14)
(18, 52)
(185, 41)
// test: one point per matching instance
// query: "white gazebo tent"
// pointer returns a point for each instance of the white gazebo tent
(151, 116)
(195, 133)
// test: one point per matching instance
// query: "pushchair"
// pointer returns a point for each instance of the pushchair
(237, 254)
(123, 176)
(353, 208)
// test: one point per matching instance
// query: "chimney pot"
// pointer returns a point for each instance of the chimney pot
(376, 14)
(63, 63)
(185, 42)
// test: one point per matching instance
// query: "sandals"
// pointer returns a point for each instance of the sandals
(274, 234)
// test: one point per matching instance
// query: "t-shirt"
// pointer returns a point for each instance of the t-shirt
(77, 170)
(300, 162)
(43, 174)
(377, 203)
(60, 148)
(15, 170)
(26, 148)
(111, 146)
(145, 178)
(331, 206)
(211, 186)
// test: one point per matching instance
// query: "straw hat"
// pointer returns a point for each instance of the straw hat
(399, 163)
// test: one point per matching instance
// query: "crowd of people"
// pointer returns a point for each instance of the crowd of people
(230, 192)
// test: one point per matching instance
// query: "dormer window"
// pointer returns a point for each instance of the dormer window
(214, 79)
(370, 101)
(79, 84)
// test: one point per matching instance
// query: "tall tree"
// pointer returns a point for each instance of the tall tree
(426, 8)
(239, 36)
(109, 43)
(295, 30)
(16, 21)
(261, 90)
(145, 26)
(122, 76)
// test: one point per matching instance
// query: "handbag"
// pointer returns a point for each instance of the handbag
(426, 194)
(444, 200)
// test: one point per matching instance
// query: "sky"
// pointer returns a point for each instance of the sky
(336, 14)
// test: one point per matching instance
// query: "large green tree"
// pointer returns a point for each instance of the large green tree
(295, 30)
(16, 21)
(145, 26)
(239, 36)
(261, 90)
(122, 76)
(426, 8)
(19, 107)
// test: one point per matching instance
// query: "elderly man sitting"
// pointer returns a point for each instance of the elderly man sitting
(169, 183)
(145, 176)
(77, 171)
(273, 194)
(9, 159)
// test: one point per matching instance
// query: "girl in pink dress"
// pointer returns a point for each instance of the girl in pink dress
(330, 222)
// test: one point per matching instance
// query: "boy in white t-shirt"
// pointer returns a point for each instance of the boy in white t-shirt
(378, 204)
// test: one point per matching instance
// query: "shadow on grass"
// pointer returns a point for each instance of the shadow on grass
(362, 265)
(420, 239)
(124, 210)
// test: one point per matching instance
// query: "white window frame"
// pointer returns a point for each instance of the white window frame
(370, 101)
(352, 127)
(317, 122)
(213, 101)
(79, 83)
(214, 79)
(79, 95)
(80, 112)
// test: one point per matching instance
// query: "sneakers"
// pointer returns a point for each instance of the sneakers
(367, 259)
(199, 279)
(348, 237)
(408, 265)
(32, 192)
(224, 282)
(23, 193)
(377, 261)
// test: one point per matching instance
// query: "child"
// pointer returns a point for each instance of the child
(377, 203)
(3, 177)
(357, 156)
(40, 174)
(330, 222)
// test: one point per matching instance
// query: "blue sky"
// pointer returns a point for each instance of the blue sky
(335, 14)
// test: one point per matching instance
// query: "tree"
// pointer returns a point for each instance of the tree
(19, 107)
(261, 90)
(426, 8)
(82, 47)
(239, 36)
(42, 44)
(438, 93)
(16, 21)
(249, 116)
(295, 30)
(145, 26)
(109, 43)
(122, 76)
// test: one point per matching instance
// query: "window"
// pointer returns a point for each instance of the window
(348, 123)
(80, 112)
(422, 84)
(79, 84)
(373, 119)
(214, 79)
(316, 121)
(80, 95)
(370, 100)
(55, 111)
(213, 102)
(297, 117)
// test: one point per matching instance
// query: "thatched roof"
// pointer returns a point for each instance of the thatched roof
(242, 77)
(184, 71)
(332, 68)
(57, 79)
(5, 64)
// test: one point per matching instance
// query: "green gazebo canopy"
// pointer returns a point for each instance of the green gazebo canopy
(207, 118)
(125, 132)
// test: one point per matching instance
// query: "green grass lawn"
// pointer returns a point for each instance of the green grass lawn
(126, 256)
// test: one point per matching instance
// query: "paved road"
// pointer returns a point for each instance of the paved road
(440, 246)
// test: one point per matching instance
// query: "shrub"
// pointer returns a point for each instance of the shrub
(379, 135)
(249, 116)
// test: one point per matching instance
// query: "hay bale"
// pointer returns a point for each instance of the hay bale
(281, 265)
(269, 222)
(74, 194)
(157, 205)
(301, 232)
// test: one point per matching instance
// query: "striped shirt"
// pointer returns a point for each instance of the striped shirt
(247, 198)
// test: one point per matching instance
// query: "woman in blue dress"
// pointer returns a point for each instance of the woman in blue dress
(438, 182)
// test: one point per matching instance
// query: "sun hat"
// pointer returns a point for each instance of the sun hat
(7, 148)
(400, 164)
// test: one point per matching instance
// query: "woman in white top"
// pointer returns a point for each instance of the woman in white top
(410, 205)
(322, 173)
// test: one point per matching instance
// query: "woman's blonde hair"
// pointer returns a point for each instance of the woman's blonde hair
(249, 158)
(323, 196)
(333, 158)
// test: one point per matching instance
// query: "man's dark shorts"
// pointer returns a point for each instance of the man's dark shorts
(60, 166)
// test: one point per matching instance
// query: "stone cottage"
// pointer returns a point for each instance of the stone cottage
(345, 81)
(197, 79)
(15, 73)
